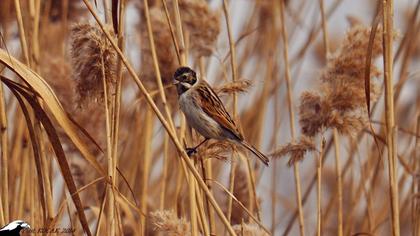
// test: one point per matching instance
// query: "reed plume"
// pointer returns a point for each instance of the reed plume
(240, 86)
(241, 192)
(340, 102)
(90, 51)
(249, 230)
(296, 150)
(165, 51)
(168, 223)
(202, 24)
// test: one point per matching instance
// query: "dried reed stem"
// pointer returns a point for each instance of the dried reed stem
(34, 12)
(178, 23)
(234, 77)
(207, 175)
(291, 117)
(274, 173)
(201, 211)
(118, 91)
(4, 202)
(324, 27)
(319, 185)
(25, 53)
(2, 222)
(232, 54)
(30, 185)
(18, 152)
(22, 36)
(116, 105)
(193, 204)
(111, 198)
(108, 19)
(231, 187)
(101, 210)
(164, 171)
(171, 27)
(388, 34)
(253, 192)
(156, 65)
(335, 132)
(147, 155)
(45, 163)
(416, 183)
(339, 181)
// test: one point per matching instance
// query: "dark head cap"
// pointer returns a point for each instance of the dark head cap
(184, 70)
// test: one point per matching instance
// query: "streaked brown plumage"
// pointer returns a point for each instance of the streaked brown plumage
(205, 111)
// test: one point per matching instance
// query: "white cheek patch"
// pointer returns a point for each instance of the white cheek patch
(186, 85)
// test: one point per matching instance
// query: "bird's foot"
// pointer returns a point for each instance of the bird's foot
(190, 151)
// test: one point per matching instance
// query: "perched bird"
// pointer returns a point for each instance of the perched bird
(14, 228)
(206, 113)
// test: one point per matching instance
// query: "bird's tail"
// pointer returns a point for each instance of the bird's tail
(257, 153)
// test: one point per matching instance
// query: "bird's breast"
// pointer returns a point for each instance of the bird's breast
(197, 118)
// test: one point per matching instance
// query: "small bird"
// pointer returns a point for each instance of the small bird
(14, 228)
(206, 113)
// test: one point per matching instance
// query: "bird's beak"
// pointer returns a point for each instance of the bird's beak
(175, 81)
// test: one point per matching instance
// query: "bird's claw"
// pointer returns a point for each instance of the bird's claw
(190, 151)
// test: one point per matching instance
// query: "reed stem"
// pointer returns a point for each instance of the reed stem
(339, 181)
(4, 202)
(111, 198)
(388, 34)
(291, 117)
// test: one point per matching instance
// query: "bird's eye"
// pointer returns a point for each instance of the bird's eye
(184, 77)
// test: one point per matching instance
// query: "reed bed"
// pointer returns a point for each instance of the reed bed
(93, 142)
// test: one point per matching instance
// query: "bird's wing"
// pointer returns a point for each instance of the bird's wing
(214, 108)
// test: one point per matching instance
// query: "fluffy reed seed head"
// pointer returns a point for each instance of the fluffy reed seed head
(296, 150)
(220, 150)
(89, 48)
(341, 101)
(202, 24)
(249, 230)
(241, 192)
(56, 70)
(239, 86)
(168, 223)
(165, 50)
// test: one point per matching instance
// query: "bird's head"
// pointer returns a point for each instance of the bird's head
(184, 79)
